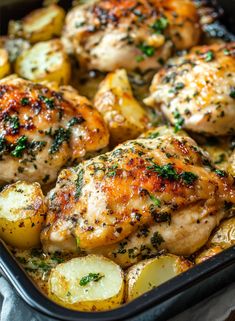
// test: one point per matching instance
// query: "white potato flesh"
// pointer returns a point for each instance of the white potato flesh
(44, 61)
(4, 63)
(148, 274)
(105, 292)
(22, 212)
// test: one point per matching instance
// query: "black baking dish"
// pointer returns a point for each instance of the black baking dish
(161, 303)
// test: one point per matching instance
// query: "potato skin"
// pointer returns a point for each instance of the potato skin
(95, 305)
(39, 25)
(146, 272)
(20, 225)
(4, 63)
(45, 61)
(124, 116)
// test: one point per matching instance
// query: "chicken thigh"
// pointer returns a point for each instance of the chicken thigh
(157, 192)
(111, 34)
(42, 130)
(197, 91)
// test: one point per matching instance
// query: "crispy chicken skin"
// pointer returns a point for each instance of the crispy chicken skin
(42, 130)
(197, 91)
(111, 34)
(148, 194)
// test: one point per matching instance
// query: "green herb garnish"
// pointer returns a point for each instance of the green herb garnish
(21, 145)
(209, 56)
(24, 101)
(179, 121)
(232, 93)
(149, 51)
(155, 200)
(159, 25)
(156, 239)
(95, 277)
(61, 135)
(79, 183)
(188, 177)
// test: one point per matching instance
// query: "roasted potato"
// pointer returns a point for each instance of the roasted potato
(15, 47)
(223, 238)
(39, 25)
(148, 274)
(87, 283)
(44, 61)
(125, 117)
(22, 211)
(4, 63)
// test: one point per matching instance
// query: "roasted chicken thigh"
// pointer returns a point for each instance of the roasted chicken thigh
(197, 91)
(42, 130)
(156, 192)
(110, 34)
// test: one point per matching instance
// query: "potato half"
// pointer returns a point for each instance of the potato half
(39, 25)
(44, 61)
(125, 117)
(90, 283)
(22, 211)
(148, 274)
(4, 63)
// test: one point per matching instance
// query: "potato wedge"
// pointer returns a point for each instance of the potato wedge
(90, 283)
(148, 274)
(4, 63)
(39, 25)
(22, 211)
(44, 61)
(221, 239)
(125, 117)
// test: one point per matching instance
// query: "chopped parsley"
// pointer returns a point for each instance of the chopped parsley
(188, 177)
(179, 85)
(153, 135)
(209, 56)
(95, 277)
(60, 136)
(3, 144)
(149, 51)
(159, 25)
(24, 101)
(179, 121)
(168, 172)
(232, 93)
(79, 183)
(20, 146)
(112, 170)
(155, 200)
(165, 171)
(75, 120)
(49, 102)
(156, 239)
(220, 173)
(139, 58)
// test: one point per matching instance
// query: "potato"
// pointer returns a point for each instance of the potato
(4, 63)
(125, 117)
(221, 239)
(44, 61)
(148, 274)
(208, 253)
(15, 47)
(231, 162)
(87, 283)
(22, 210)
(39, 25)
(225, 235)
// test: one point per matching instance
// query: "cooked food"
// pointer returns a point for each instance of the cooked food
(42, 130)
(39, 25)
(87, 283)
(107, 35)
(197, 91)
(4, 63)
(148, 274)
(125, 117)
(145, 181)
(146, 195)
(221, 239)
(44, 61)
(22, 212)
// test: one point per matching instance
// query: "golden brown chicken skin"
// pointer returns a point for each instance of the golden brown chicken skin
(197, 91)
(110, 34)
(41, 130)
(162, 192)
